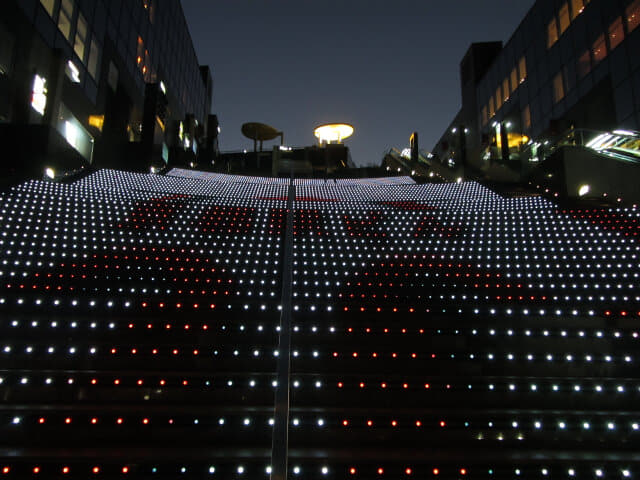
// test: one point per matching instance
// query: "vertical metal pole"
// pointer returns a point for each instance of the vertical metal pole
(279, 445)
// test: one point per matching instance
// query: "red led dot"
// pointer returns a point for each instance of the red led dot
(345, 422)
(383, 385)
(93, 381)
(175, 351)
(352, 471)
(394, 423)
(195, 352)
(442, 423)
(369, 423)
(361, 384)
(426, 385)
(95, 470)
(41, 420)
(408, 471)
(125, 469)
(418, 423)
(94, 420)
(405, 385)
(463, 471)
(113, 350)
(144, 304)
(134, 351)
(145, 421)
(65, 470)
(340, 384)
(380, 471)
(119, 421)
(6, 469)
(436, 471)
(117, 381)
(67, 420)
(374, 355)
(355, 354)
(162, 382)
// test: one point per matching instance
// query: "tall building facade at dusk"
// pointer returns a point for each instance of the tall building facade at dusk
(108, 83)
(202, 325)
(570, 64)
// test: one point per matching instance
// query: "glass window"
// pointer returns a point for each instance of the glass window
(616, 33)
(526, 118)
(112, 76)
(498, 98)
(492, 110)
(522, 69)
(633, 15)
(48, 6)
(584, 64)
(558, 88)
(6, 51)
(505, 89)
(81, 37)
(577, 6)
(94, 56)
(485, 117)
(599, 50)
(64, 19)
(514, 79)
(552, 33)
(563, 15)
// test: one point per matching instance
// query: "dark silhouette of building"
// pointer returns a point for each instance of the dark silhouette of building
(206, 325)
(101, 83)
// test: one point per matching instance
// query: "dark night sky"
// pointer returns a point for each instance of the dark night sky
(387, 67)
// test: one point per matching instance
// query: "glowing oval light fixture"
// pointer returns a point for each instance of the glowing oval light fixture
(333, 132)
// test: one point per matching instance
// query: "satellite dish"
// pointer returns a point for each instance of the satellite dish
(259, 132)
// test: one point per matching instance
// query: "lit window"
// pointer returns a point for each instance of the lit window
(485, 116)
(94, 56)
(633, 15)
(505, 89)
(616, 33)
(48, 6)
(498, 98)
(64, 19)
(577, 6)
(584, 64)
(552, 33)
(81, 37)
(599, 50)
(522, 69)
(492, 110)
(558, 88)
(514, 79)
(563, 15)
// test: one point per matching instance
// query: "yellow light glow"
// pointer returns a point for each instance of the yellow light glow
(96, 121)
(333, 132)
(514, 139)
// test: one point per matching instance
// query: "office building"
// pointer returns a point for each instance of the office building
(204, 325)
(103, 83)
(570, 66)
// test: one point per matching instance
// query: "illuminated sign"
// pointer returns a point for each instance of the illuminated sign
(72, 72)
(39, 94)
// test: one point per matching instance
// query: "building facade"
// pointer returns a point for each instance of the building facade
(570, 64)
(117, 81)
